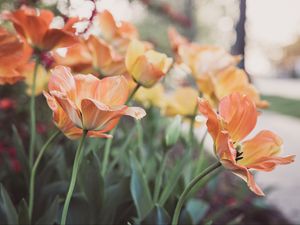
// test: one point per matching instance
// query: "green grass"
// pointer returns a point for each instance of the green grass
(286, 106)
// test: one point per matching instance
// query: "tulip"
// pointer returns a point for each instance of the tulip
(233, 80)
(13, 55)
(83, 102)
(177, 103)
(77, 57)
(146, 66)
(41, 81)
(153, 96)
(34, 26)
(106, 61)
(236, 119)
(118, 34)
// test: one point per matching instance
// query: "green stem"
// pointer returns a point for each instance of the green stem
(33, 172)
(192, 127)
(112, 132)
(32, 114)
(77, 161)
(187, 190)
(133, 93)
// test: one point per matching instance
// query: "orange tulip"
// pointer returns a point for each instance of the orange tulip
(118, 34)
(146, 66)
(106, 61)
(176, 40)
(83, 102)
(34, 26)
(233, 80)
(236, 119)
(77, 57)
(13, 55)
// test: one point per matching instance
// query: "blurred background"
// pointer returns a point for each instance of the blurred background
(265, 32)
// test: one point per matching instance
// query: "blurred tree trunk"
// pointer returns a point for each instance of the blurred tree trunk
(239, 47)
(189, 11)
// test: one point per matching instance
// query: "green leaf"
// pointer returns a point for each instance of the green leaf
(23, 212)
(173, 131)
(172, 180)
(8, 213)
(78, 211)
(93, 188)
(51, 215)
(139, 189)
(197, 209)
(115, 195)
(20, 151)
(185, 218)
(157, 216)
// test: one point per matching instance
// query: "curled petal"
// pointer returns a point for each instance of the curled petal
(261, 152)
(246, 175)
(69, 107)
(135, 112)
(61, 119)
(240, 115)
(227, 156)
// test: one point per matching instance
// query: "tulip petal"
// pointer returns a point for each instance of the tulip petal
(107, 24)
(62, 80)
(261, 152)
(135, 112)
(240, 115)
(134, 51)
(145, 73)
(68, 106)
(227, 156)
(87, 86)
(213, 123)
(56, 38)
(114, 91)
(96, 115)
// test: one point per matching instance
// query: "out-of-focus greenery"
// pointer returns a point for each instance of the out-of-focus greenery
(283, 105)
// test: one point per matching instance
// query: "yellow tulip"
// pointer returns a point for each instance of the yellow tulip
(144, 65)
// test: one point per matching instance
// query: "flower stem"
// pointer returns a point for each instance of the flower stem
(108, 143)
(136, 88)
(32, 114)
(33, 172)
(192, 127)
(77, 161)
(187, 190)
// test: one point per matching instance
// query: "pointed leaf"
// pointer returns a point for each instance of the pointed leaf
(20, 151)
(197, 209)
(23, 212)
(51, 215)
(8, 213)
(173, 131)
(93, 188)
(139, 189)
(157, 216)
(172, 180)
